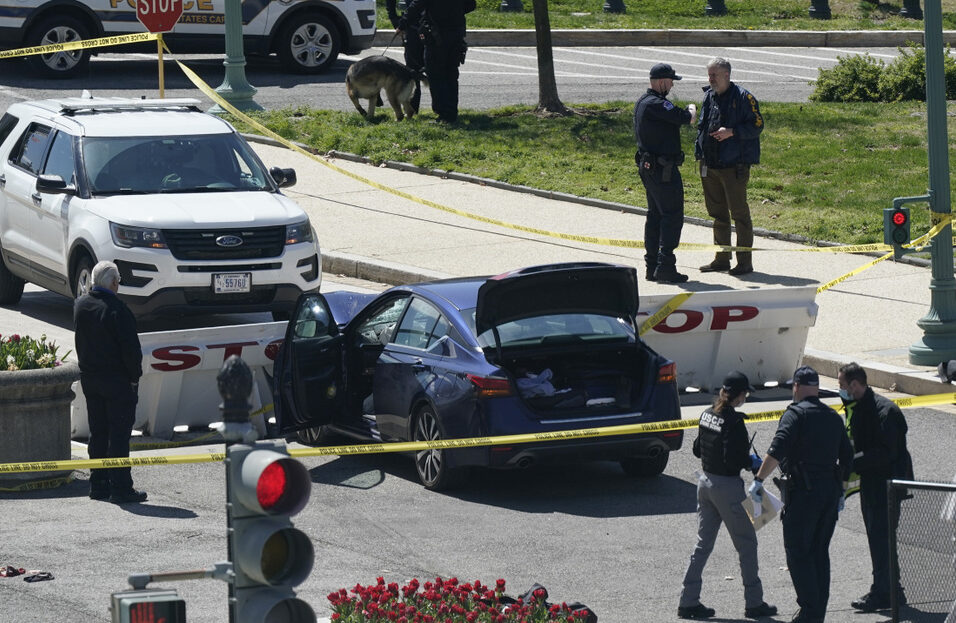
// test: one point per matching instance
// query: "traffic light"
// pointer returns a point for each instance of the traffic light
(265, 487)
(896, 228)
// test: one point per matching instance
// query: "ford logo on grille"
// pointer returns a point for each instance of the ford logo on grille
(228, 241)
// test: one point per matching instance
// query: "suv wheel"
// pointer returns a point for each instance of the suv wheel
(64, 29)
(82, 276)
(308, 44)
(11, 286)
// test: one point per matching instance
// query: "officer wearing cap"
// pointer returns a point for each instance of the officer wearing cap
(813, 451)
(724, 449)
(657, 124)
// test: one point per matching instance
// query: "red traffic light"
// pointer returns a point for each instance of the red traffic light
(899, 218)
(272, 485)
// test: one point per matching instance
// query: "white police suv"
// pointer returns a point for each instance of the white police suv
(173, 195)
(307, 35)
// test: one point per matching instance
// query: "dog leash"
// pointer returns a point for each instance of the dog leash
(390, 43)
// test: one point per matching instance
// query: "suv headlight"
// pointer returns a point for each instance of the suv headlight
(126, 237)
(298, 232)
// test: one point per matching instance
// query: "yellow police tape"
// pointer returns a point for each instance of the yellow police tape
(36, 485)
(663, 312)
(439, 444)
(83, 44)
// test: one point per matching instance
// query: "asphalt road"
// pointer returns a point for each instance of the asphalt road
(585, 532)
(490, 78)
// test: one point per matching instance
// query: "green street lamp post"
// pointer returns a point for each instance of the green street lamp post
(939, 324)
(235, 89)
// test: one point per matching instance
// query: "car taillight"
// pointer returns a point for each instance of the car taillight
(490, 386)
(667, 373)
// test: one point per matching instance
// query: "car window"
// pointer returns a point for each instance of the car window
(171, 164)
(7, 123)
(312, 320)
(441, 329)
(29, 153)
(554, 329)
(417, 325)
(377, 328)
(60, 159)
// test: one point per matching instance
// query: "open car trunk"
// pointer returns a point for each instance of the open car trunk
(593, 381)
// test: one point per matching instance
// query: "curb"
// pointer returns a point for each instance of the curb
(693, 38)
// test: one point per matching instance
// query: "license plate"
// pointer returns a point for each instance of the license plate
(227, 283)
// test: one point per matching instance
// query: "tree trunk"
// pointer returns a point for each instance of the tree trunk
(548, 100)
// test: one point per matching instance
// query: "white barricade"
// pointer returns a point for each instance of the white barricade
(760, 332)
(178, 386)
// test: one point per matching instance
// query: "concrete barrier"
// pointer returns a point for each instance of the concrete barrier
(760, 332)
(178, 386)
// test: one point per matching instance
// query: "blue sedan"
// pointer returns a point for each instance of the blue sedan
(541, 349)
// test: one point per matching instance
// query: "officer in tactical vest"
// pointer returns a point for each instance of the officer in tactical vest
(724, 449)
(442, 25)
(813, 451)
(657, 124)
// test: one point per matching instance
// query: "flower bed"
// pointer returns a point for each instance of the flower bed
(448, 601)
(25, 353)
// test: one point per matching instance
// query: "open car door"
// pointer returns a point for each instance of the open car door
(308, 384)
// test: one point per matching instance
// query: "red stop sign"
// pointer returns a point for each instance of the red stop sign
(159, 15)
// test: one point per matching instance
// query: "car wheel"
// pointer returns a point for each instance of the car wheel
(432, 464)
(646, 466)
(315, 436)
(53, 30)
(82, 276)
(308, 44)
(11, 286)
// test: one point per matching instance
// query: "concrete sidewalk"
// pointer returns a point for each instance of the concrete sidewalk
(372, 234)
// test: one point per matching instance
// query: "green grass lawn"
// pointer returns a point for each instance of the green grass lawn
(826, 172)
(741, 14)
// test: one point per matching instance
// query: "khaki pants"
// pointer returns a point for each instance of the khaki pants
(725, 196)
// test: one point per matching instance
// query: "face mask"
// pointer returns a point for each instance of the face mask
(845, 395)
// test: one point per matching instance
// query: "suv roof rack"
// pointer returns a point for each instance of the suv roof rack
(74, 105)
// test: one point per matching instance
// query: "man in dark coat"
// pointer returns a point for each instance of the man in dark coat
(878, 431)
(813, 451)
(110, 358)
(442, 23)
(728, 143)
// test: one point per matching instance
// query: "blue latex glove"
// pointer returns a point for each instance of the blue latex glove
(841, 504)
(756, 491)
(755, 463)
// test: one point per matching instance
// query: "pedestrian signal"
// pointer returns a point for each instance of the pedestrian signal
(896, 227)
(265, 487)
(148, 606)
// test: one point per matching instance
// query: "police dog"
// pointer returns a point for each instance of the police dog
(366, 79)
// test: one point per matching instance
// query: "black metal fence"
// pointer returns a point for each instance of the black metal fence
(923, 551)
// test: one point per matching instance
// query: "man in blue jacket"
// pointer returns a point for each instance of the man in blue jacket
(728, 142)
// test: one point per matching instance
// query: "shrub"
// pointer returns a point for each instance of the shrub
(905, 77)
(852, 79)
(24, 353)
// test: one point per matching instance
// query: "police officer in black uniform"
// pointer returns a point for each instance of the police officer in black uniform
(442, 23)
(724, 449)
(878, 434)
(657, 124)
(813, 451)
(414, 46)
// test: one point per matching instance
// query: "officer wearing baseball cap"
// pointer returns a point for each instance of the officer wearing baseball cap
(813, 451)
(657, 124)
(724, 449)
